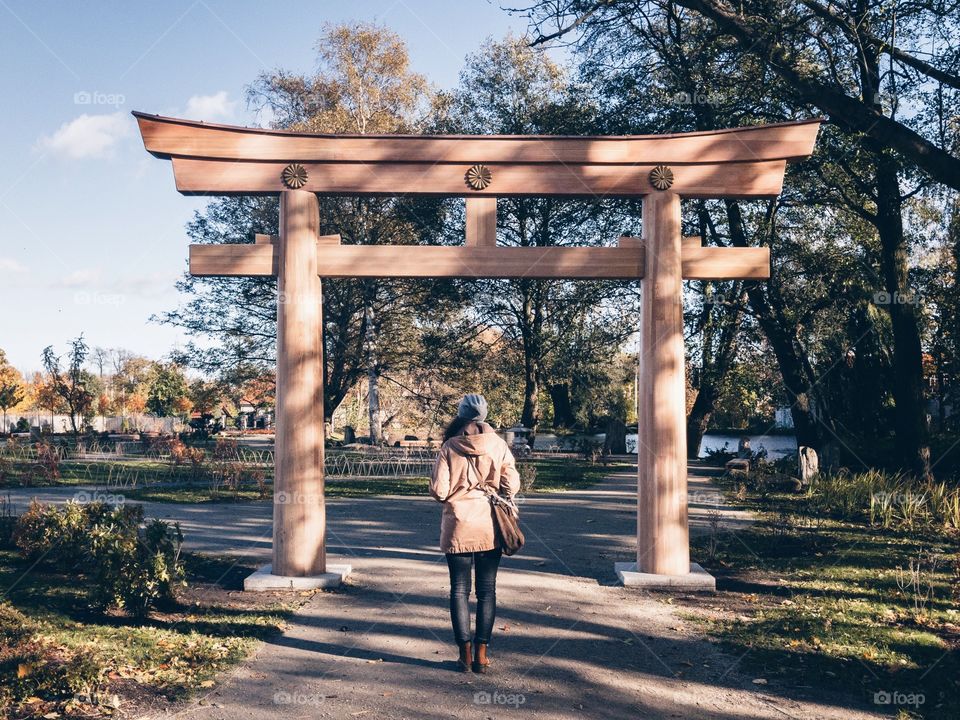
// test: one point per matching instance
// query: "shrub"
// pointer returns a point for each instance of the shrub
(47, 464)
(129, 565)
(259, 478)
(7, 521)
(53, 534)
(887, 500)
(528, 476)
(135, 568)
(226, 450)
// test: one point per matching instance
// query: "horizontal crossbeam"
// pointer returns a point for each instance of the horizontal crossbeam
(625, 262)
(761, 179)
(167, 137)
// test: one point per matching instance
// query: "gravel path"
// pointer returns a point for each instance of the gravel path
(569, 642)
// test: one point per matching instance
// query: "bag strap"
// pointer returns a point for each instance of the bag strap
(494, 497)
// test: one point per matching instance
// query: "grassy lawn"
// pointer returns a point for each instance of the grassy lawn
(566, 474)
(201, 493)
(136, 665)
(93, 472)
(552, 475)
(811, 604)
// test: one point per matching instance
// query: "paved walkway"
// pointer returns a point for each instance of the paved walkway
(569, 642)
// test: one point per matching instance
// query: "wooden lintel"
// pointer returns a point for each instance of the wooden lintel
(686, 241)
(725, 263)
(754, 179)
(420, 261)
(168, 137)
(262, 239)
(481, 230)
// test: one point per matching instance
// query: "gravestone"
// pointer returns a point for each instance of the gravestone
(616, 440)
(808, 464)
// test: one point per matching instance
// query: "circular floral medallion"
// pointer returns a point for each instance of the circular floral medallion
(661, 177)
(478, 177)
(294, 176)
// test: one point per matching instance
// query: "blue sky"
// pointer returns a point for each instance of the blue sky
(93, 229)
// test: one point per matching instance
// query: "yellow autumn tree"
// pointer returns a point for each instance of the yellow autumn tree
(12, 388)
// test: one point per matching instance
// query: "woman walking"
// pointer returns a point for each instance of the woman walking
(472, 456)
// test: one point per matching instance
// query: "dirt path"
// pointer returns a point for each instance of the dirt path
(569, 642)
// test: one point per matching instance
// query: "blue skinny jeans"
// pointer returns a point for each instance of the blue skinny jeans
(486, 564)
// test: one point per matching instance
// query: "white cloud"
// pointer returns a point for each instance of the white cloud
(9, 265)
(78, 278)
(151, 284)
(210, 107)
(88, 135)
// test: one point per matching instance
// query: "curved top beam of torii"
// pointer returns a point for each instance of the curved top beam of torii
(212, 159)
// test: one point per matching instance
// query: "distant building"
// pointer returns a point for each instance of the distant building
(783, 418)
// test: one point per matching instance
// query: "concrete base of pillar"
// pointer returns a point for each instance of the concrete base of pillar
(263, 580)
(697, 580)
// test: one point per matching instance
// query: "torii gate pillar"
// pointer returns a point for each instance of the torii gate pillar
(662, 538)
(299, 513)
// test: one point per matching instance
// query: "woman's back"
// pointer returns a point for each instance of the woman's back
(465, 462)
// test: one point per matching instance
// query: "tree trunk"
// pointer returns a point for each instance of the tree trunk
(699, 416)
(910, 416)
(530, 417)
(531, 397)
(562, 412)
(809, 413)
(716, 359)
(373, 380)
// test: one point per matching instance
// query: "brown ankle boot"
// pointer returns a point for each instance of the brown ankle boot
(480, 660)
(463, 662)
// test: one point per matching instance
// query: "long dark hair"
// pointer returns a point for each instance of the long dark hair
(455, 427)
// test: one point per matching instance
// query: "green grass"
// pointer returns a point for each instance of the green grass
(553, 475)
(165, 657)
(815, 603)
(96, 472)
(566, 474)
(201, 493)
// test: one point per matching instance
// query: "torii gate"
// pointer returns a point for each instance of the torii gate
(744, 162)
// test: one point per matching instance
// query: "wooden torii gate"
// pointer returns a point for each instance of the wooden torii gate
(744, 162)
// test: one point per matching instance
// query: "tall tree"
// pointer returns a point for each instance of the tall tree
(509, 88)
(12, 388)
(860, 63)
(70, 382)
(363, 84)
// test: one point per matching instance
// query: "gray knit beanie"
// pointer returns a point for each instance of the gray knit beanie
(473, 407)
